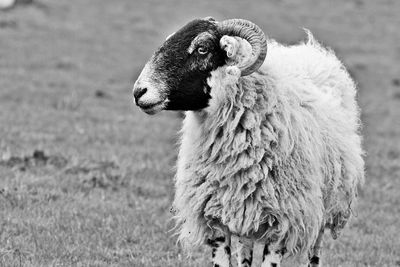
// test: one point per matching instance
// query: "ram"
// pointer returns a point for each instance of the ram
(270, 152)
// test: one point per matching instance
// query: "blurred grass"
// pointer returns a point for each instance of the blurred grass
(66, 72)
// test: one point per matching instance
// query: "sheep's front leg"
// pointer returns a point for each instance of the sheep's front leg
(316, 251)
(221, 250)
(272, 256)
(245, 252)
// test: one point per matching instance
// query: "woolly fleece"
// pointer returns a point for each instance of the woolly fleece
(276, 155)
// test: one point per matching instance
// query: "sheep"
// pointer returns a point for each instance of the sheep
(270, 153)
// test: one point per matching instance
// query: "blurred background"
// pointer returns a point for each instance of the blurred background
(86, 178)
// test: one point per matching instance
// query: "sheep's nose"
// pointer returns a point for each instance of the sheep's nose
(138, 93)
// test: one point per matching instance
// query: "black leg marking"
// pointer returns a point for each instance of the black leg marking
(220, 251)
(247, 261)
(265, 252)
(214, 242)
(271, 256)
(314, 260)
(315, 253)
(245, 252)
(282, 251)
(228, 250)
(220, 239)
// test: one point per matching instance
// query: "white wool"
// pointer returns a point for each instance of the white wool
(277, 154)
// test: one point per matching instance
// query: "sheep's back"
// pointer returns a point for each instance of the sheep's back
(316, 89)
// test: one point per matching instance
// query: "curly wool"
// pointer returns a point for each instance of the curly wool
(277, 154)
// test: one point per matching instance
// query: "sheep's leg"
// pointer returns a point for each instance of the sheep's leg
(221, 251)
(316, 251)
(272, 256)
(245, 252)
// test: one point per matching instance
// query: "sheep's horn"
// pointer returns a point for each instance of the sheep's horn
(253, 34)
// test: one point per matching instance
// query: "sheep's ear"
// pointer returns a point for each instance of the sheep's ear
(230, 45)
(238, 50)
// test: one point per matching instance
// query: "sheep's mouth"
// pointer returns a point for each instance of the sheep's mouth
(153, 108)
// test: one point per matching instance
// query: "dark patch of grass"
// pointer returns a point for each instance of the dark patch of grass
(101, 94)
(396, 82)
(12, 24)
(37, 159)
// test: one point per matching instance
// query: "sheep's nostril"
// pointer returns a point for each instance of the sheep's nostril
(138, 93)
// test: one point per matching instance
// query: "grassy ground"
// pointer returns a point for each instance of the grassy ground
(86, 179)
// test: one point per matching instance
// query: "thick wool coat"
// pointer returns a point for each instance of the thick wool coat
(277, 154)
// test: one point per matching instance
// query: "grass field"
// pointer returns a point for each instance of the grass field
(86, 179)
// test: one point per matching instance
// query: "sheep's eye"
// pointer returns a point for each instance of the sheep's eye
(202, 50)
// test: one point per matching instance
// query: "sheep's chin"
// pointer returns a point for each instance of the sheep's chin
(154, 109)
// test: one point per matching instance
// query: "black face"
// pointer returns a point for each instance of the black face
(184, 63)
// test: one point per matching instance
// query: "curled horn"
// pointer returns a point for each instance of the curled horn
(253, 34)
